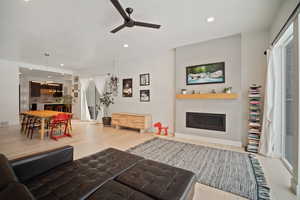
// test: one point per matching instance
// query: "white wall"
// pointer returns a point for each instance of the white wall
(254, 68)
(281, 17)
(225, 49)
(9, 87)
(161, 105)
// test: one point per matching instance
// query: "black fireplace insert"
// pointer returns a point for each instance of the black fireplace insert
(208, 121)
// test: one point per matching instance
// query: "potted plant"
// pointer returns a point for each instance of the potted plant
(105, 101)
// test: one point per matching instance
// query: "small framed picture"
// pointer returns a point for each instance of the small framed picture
(127, 87)
(75, 94)
(144, 95)
(144, 79)
(76, 79)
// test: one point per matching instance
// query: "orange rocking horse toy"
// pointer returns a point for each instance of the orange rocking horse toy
(159, 127)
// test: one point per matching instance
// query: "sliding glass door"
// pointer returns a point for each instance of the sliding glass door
(288, 100)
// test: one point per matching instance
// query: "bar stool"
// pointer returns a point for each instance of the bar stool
(59, 108)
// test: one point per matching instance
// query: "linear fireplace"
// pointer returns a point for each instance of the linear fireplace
(207, 121)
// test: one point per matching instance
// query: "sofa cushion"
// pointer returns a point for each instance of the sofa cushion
(16, 191)
(158, 180)
(79, 179)
(113, 190)
(7, 174)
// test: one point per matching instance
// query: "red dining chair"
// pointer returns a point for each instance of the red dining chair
(58, 122)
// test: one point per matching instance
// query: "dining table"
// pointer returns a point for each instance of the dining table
(44, 115)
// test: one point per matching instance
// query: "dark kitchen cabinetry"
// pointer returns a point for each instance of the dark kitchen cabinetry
(35, 89)
(50, 89)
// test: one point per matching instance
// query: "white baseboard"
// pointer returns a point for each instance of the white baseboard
(209, 139)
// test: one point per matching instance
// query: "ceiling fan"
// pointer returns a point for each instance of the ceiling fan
(128, 21)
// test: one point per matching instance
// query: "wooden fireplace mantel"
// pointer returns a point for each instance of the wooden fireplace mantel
(208, 96)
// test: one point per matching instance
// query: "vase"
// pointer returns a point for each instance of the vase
(106, 121)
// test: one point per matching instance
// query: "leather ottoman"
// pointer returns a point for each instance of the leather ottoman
(80, 178)
(159, 181)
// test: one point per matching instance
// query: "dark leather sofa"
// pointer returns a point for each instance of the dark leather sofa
(108, 175)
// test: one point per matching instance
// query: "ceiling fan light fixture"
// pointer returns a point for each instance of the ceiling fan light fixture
(128, 21)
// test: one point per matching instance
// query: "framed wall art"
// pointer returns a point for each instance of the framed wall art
(144, 95)
(205, 74)
(144, 79)
(127, 87)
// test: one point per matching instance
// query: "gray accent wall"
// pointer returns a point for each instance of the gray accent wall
(225, 49)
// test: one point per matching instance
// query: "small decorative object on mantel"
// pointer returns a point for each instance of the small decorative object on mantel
(254, 131)
(213, 91)
(183, 91)
(144, 95)
(144, 79)
(105, 101)
(227, 90)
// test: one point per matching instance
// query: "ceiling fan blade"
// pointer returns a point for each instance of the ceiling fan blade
(118, 28)
(148, 25)
(118, 6)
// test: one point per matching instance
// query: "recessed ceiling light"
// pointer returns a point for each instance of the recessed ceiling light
(210, 19)
(26, 0)
(125, 45)
(62, 65)
(49, 76)
(30, 69)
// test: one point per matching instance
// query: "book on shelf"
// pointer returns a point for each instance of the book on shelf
(252, 137)
(255, 124)
(254, 131)
(255, 102)
(254, 95)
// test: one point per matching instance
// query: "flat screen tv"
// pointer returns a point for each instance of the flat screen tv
(205, 74)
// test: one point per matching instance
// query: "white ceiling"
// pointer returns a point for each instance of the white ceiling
(77, 32)
(44, 75)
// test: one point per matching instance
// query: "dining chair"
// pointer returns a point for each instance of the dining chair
(57, 123)
(34, 124)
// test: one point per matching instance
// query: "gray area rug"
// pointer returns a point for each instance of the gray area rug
(230, 171)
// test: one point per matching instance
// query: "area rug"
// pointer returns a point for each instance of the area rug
(234, 172)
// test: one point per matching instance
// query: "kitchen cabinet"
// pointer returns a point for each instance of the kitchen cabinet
(35, 89)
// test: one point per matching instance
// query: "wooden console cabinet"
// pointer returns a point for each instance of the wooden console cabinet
(131, 120)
